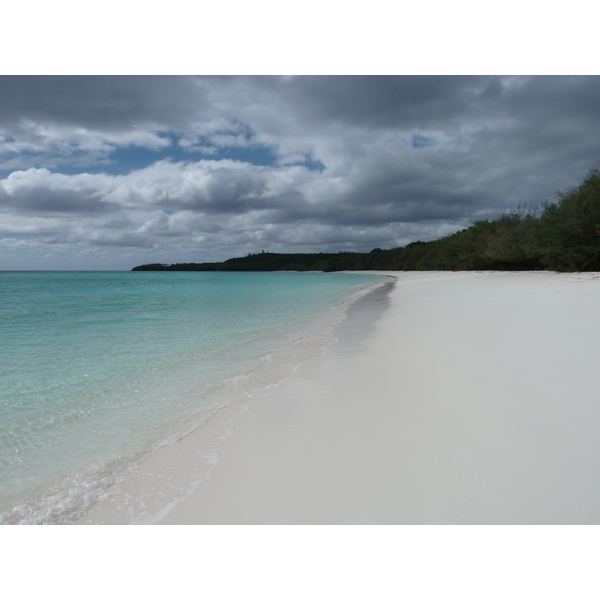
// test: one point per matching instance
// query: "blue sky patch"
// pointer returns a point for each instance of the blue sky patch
(421, 141)
(123, 160)
(309, 163)
(130, 158)
(313, 165)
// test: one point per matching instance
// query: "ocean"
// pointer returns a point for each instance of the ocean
(98, 370)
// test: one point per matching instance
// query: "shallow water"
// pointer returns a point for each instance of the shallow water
(98, 370)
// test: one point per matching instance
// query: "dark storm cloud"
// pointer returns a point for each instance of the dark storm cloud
(101, 102)
(573, 98)
(401, 158)
(380, 101)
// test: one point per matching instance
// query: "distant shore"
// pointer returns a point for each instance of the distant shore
(455, 397)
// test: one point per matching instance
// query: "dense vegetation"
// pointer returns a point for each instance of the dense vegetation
(564, 236)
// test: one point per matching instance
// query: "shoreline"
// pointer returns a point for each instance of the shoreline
(204, 440)
(154, 381)
(470, 398)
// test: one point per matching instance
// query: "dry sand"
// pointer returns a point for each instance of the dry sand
(465, 398)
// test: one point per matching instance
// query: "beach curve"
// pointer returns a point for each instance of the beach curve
(461, 398)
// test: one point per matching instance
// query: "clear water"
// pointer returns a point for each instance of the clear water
(99, 369)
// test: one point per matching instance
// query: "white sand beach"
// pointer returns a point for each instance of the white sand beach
(451, 398)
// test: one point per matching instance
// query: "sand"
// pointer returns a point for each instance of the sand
(451, 398)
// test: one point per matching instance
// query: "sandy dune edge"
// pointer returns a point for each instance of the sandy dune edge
(472, 398)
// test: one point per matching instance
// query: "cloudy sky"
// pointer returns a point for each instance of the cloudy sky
(110, 172)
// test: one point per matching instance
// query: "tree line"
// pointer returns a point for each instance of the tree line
(560, 236)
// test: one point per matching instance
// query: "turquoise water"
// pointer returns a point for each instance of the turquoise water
(97, 370)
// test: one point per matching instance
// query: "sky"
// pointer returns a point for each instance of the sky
(109, 172)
